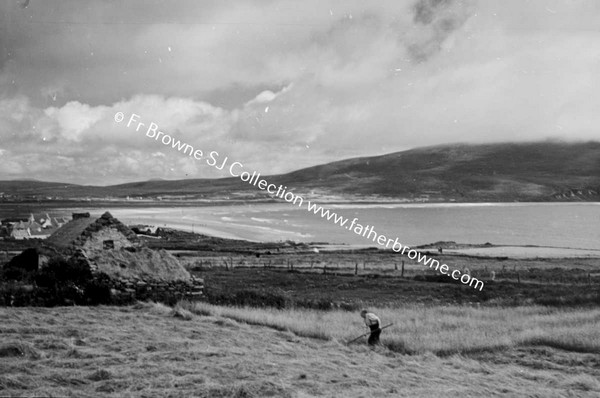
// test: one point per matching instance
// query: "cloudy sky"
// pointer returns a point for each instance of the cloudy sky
(280, 85)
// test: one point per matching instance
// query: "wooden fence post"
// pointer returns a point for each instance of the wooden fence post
(402, 274)
(355, 268)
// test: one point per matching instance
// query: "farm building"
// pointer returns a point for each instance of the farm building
(111, 248)
(20, 230)
(93, 234)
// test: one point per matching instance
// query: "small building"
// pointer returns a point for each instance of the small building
(117, 260)
(93, 234)
(20, 230)
(36, 230)
(31, 228)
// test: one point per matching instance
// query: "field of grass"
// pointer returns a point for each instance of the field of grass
(441, 330)
(539, 270)
(346, 290)
(196, 349)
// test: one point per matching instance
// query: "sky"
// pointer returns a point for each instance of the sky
(282, 85)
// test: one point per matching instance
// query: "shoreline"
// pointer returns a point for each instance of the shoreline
(270, 223)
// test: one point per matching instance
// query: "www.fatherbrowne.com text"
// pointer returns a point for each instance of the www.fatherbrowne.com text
(236, 169)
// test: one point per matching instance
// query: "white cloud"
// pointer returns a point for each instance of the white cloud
(334, 86)
(265, 96)
(75, 118)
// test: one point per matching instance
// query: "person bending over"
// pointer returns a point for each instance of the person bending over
(374, 324)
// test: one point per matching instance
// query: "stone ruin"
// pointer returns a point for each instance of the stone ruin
(118, 260)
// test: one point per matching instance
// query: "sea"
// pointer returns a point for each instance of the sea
(559, 225)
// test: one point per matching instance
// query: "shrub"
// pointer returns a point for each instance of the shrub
(21, 267)
(59, 270)
(97, 290)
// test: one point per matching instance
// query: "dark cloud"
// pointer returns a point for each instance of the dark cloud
(435, 21)
(425, 10)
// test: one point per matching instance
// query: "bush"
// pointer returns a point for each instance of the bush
(21, 267)
(59, 271)
(15, 274)
(60, 282)
(13, 293)
(97, 290)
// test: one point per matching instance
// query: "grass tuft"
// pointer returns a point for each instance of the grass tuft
(181, 313)
(100, 375)
(19, 349)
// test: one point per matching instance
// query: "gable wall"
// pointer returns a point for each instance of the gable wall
(95, 241)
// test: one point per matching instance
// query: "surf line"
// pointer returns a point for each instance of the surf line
(290, 197)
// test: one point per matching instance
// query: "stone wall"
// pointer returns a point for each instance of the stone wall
(96, 241)
(169, 292)
(128, 289)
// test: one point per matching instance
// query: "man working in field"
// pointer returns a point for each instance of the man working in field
(374, 323)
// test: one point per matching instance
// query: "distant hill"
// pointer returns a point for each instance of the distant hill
(540, 171)
(35, 187)
(494, 172)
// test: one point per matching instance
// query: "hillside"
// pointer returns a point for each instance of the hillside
(495, 172)
(540, 171)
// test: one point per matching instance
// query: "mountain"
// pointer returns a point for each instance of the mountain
(538, 171)
(494, 172)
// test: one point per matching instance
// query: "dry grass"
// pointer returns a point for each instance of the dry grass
(151, 350)
(439, 330)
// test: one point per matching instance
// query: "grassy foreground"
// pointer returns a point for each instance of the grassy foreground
(150, 350)
(441, 330)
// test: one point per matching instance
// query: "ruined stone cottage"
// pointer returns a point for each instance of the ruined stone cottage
(112, 249)
(93, 234)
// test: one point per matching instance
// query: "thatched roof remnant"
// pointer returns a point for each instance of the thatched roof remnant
(141, 263)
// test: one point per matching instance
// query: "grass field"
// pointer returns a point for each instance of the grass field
(448, 340)
(150, 350)
(372, 287)
(441, 330)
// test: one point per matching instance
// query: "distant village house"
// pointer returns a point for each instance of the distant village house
(31, 228)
